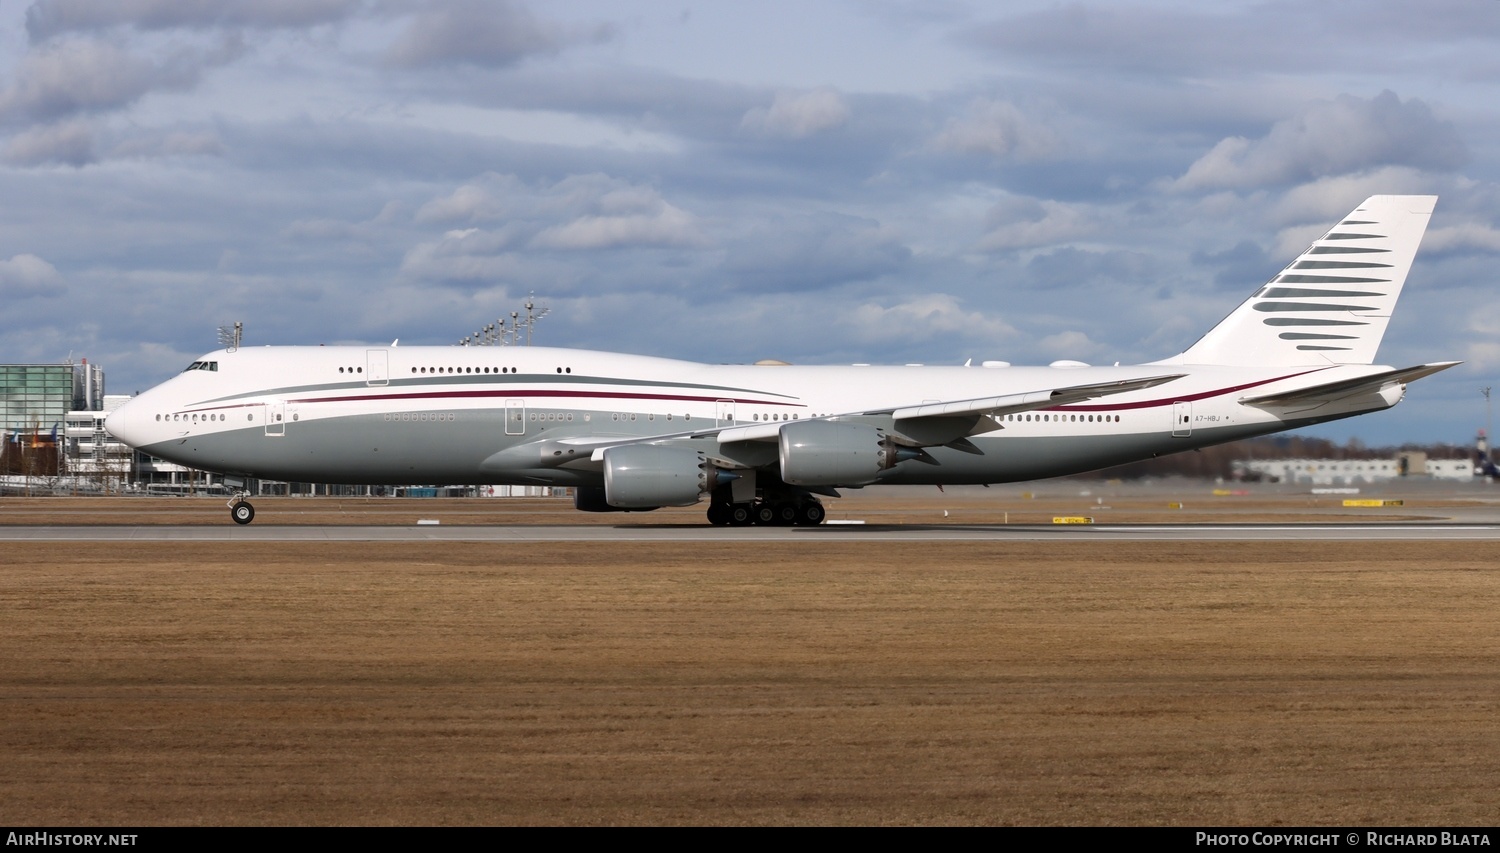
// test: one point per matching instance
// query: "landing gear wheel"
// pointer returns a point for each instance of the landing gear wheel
(811, 514)
(765, 514)
(242, 512)
(784, 514)
(740, 515)
(718, 514)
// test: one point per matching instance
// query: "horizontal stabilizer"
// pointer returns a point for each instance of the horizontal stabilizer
(1348, 387)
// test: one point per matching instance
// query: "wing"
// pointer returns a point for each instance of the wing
(929, 424)
(950, 423)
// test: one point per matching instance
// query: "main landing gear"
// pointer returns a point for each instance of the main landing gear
(774, 513)
(240, 510)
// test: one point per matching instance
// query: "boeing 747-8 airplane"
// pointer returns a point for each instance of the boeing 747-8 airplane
(761, 443)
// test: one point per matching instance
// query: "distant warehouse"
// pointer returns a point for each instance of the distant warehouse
(1328, 472)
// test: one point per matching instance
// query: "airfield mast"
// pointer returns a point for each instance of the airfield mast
(499, 333)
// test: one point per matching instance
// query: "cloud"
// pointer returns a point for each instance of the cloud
(167, 143)
(1239, 268)
(1482, 355)
(997, 129)
(1471, 236)
(511, 231)
(28, 275)
(579, 212)
(659, 225)
(1198, 42)
(487, 198)
(75, 77)
(1070, 268)
(1345, 135)
(814, 252)
(931, 315)
(619, 214)
(84, 75)
(469, 255)
(1070, 344)
(488, 33)
(68, 143)
(796, 115)
(1023, 223)
(48, 18)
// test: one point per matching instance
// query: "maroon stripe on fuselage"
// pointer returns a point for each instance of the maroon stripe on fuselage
(515, 394)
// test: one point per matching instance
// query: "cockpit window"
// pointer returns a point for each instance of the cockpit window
(203, 365)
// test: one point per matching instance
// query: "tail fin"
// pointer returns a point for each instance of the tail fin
(1332, 304)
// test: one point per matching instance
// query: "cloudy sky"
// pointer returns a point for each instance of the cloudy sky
(867, 180)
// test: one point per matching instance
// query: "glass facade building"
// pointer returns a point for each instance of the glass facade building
(34, 397)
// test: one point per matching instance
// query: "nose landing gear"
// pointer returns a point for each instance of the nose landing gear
(240, 510)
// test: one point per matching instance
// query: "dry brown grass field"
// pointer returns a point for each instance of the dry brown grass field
(1323, 683)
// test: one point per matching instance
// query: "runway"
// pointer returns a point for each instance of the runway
(704, 533)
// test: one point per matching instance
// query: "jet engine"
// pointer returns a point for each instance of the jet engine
(637, 476)
(827, 453)
(592, 499)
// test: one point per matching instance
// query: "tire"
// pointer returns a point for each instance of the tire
(811, 514)
(740, 515)
(718, 514)
(765, 514)
(242, 513)
(786, 514)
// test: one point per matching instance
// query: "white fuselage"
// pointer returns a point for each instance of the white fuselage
(467, 415)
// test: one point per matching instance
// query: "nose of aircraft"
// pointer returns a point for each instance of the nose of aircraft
(119, 423)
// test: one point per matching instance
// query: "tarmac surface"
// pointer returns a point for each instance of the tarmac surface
(1173, 510)
(707, 534)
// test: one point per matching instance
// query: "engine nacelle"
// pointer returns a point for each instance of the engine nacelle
(592, 499)
(637, 476)
(827, 453)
